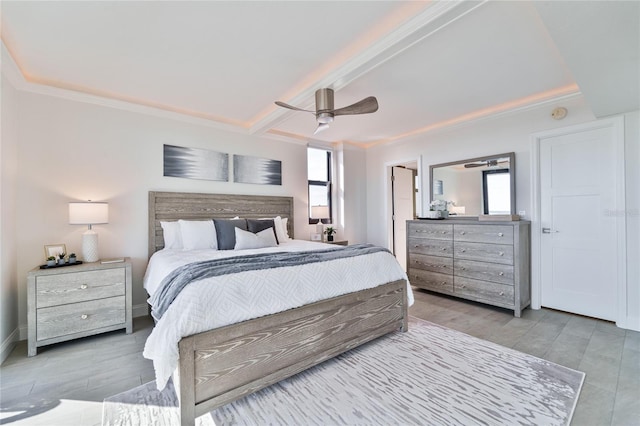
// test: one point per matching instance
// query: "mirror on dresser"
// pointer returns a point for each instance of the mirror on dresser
(476, 186)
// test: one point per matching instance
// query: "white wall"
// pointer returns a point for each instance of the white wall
(72, 151)
(508, 133)
(355, 194)
(8, 256)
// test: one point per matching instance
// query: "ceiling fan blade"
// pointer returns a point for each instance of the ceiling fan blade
(283, 105)
(321, 127)
(365, 106)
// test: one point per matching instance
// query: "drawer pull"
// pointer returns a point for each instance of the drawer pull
(462, 233)
(463, 250)
(444, 249)
(84, 316)
(443, 232)
(443, 283)
(416, 246)
(84, 287)
(463, 286)
(500, 234)
(501, 273)
(501, 253)
(502, 293)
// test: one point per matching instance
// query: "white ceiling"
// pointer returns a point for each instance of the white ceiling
(430, 64)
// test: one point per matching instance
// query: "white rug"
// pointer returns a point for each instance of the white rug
(429, 375)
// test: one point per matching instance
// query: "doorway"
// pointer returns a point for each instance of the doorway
(403, 202)
(578, 239)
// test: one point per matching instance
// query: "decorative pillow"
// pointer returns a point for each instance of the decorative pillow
(257, 225)
(225, 229)
(198, 234)
(172, 235)
(248, 240)
(285, 232)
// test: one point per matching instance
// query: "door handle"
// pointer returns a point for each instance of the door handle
(548, 231)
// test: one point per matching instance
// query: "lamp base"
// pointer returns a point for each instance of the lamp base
(90, 246)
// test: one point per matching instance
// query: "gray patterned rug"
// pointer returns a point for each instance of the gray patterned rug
(429, 375)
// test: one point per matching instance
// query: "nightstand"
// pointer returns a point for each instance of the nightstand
(69, 302)
(338, 242)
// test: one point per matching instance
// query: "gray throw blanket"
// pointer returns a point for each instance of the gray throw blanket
(173, 283)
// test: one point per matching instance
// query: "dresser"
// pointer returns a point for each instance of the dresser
(487, 262)
(69, 302)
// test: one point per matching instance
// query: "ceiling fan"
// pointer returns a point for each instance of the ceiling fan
(325, 111)
(488, 163)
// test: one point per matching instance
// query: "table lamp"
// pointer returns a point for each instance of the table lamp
(321, 213)
(89, 214)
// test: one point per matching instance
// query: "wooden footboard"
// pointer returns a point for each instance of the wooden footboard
(225, 364)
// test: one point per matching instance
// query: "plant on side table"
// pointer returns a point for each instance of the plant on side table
(330, 231)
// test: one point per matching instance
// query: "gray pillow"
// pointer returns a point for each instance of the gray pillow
(226, 232)
(257, 225)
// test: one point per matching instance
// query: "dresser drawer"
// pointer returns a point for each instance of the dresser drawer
(494, 234)
(431, 230)
(485, 271)
(79, 317)
(431, 280)
(481, 290)
(59, 289)
(496, 253)
(430, 247)
(443, 265)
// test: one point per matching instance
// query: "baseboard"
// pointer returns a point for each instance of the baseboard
(141, 310)
(8, 344)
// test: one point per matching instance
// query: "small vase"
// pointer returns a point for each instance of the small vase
(51, 263)
(72, 260)
(60, 261)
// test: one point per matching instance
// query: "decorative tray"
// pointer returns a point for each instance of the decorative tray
(77, 262)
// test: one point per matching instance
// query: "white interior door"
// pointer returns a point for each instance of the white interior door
(579, 241)
(403, 192)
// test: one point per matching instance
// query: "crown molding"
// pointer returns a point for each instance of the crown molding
(10, 68)
(435, 17)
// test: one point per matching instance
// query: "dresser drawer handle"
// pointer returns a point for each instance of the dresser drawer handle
(502, 293)
(463, 250)
(416, 246)
(501, 253)
(84, 316)
(463, 286)
(443, 266)
(443, 283)
(84, 287)
(501, 273)
(462, 233)
(500, 234)
(443, 232)
(444, 249)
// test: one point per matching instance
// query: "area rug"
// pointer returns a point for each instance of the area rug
(429, 375)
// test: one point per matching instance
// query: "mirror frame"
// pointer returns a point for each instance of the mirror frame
(512, 174)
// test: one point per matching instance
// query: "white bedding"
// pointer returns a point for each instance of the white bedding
(218, 301)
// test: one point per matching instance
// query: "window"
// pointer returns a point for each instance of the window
(319, 176)
(496, 185)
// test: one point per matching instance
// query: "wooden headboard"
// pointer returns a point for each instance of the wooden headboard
(170, 206)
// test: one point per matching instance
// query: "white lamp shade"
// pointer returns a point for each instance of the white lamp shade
(88, 213)
(320, 212)
(457, 209)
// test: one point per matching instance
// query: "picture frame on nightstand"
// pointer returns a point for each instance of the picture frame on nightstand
(54, 250)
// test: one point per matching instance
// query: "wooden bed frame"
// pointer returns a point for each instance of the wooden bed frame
(221, 365)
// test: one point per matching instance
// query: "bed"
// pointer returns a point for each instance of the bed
(218, 366)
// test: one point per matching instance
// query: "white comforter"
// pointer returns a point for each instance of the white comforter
(218, 301)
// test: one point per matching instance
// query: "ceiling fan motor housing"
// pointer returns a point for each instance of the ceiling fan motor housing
(324, 105)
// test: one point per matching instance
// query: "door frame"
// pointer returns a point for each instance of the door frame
(617, 126)
(388, 194)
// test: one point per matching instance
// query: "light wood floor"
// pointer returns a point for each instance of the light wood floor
(66, 383)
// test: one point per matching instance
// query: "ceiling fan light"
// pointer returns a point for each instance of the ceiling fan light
(324, 117)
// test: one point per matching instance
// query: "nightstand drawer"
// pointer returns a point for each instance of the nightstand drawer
(73, 318)
(53, 290)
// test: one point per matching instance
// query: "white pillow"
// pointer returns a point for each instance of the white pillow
(198, 234)
(281, 229)
(172, 235)
(248, 240)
